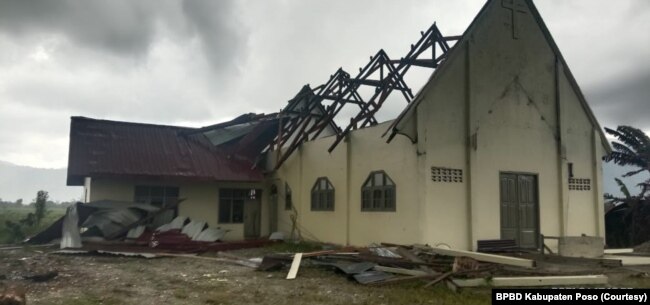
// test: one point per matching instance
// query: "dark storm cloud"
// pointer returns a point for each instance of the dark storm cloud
(623, 101)
(121, 26)
(128, 27)
(221, 34)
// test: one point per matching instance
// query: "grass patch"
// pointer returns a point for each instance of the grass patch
(16, 213)
(415, 293)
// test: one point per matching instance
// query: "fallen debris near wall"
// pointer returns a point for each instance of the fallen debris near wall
(390, 264)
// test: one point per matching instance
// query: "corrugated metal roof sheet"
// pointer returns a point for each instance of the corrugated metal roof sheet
(112, 148)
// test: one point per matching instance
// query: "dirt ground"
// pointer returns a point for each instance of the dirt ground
(85, 279)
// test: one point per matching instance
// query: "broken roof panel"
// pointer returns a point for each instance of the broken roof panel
(102, 148)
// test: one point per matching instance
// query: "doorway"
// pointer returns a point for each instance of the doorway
(252, 214)
(520, 209)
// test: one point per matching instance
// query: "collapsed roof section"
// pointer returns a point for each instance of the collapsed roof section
(312, 112)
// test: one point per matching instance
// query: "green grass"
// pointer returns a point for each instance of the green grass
(293, 247)
(15, 214)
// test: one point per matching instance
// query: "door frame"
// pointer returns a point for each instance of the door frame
(537, 209)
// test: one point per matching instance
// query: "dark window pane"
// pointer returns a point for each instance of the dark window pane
(322, 200)
(365, 199)
(287, 202)
(377, 199)
(171, 192)
(157, 191)
(225, 193)
(225, 208)
(238, 211)
(240, 194)
(141, 191)
(330, 200)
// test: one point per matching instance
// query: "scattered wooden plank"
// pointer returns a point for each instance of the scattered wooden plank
(630, 260)
(405, 253)
(618, 251)
(582, 261)
(403, 279)
(293, 271)
(485, 257)
(318, 253)
(531, 281)
(439, 279)
(401, 271)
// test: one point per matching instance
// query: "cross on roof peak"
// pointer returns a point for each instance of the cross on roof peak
(515, 6)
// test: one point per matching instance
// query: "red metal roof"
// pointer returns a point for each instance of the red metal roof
(102, 148)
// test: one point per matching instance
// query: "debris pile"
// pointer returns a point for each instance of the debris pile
(389, 263)
(127, 228)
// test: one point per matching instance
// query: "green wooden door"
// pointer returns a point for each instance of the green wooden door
(519, 209)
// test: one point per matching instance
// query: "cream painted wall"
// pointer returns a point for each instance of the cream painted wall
(201, 200)
(369, 152)
(442, 134)
(578, 135)
(347, 167)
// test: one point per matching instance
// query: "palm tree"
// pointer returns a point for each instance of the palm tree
(632, 149)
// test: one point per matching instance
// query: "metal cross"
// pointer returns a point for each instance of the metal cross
(515, 6)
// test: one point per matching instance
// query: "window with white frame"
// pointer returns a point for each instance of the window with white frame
(378, 193)
(322, 195)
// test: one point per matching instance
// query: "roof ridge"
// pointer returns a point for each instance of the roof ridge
(114, 122)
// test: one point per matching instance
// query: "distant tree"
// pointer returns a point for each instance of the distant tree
(40, 206)
(19, 202)
(632, 149)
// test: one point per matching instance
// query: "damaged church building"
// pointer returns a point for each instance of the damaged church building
(499, 143)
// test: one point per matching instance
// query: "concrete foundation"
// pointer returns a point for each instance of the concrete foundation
(581, 246)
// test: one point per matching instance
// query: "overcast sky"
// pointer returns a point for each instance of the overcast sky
(200, 62)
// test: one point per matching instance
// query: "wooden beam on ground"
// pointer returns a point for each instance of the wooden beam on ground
(484, 257)
(405, 253)
(403, 279)
(440, 278)
(630, 260)
(293, 271)
(618, 251)
(531, 281)
(318, 253)
(402, 271)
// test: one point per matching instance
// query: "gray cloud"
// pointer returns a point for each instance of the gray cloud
(623, 101)
(129, 28)
(122, 26)
(222, 35)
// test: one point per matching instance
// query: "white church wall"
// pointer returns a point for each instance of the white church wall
(369, 152)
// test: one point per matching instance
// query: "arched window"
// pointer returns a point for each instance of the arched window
(322, 195)
(378, 193)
